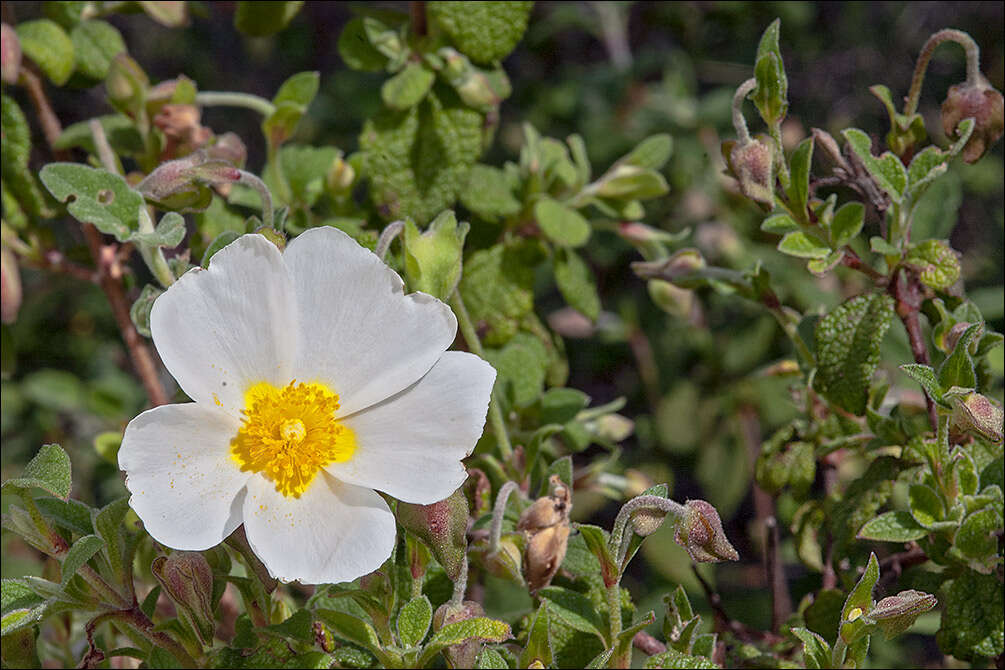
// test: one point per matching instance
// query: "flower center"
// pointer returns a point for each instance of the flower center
(289, 433)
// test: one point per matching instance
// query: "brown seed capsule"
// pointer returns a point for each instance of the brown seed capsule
(545, 524)
(753, 164)
(700, 532)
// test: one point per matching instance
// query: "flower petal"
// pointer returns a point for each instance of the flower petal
(221, 330)
(333, 533)
(184, 485)
(410, 446)
(359, 333)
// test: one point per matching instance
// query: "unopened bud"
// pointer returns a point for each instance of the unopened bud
(895, 614)
(10, 286)
(433, 258)
(647, 520)
(188, 580)
(678, 266)
(341, 176)
(126, 83)
(475, 87)
(951, 338)
(442, 526)
(979, 101)
(978, 414)
(753, 163)
(459, 655)
(700, 533)
(10, 55)
(230, 148)
(671, 299)
(177, 184)
(611, 427)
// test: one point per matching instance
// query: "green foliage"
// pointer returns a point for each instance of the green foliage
(259, 18)
(483, 31)
(49, 47)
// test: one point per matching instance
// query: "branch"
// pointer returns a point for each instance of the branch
(647, 644)
(906, 290)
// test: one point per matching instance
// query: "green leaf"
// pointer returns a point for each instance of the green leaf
(166, 12)
(575, 281)
(976, 536)
(350, 628)
(18, 648)
(68, 514)
(170, 231)
(79, 554)
(771, 94)
(881, 246)
(925, 504)
(574, 608)
(887, 170)
(356, 50)
(671, 658)
(628, 182)
(49, 470)
(306, 170)
(925, 167)
(298, 626)
(779, 224)
(57, 390)
(561, 405)
(847, 224)
(478, 628)
(972, 618)
(407, 88)
(893, 527)
(538, 646)
(109, 523)
(96, 43)
(799, 167)
(651, 153)
(847, 344)
(925, 375)
(483, 31)
(98, 197)
(413, 621)
(958, 368)
(291, 102)
(490, 659)
(520, 365)
(119, 129)
(498, 287)
(48, 45)
(803, 245)
(19, 184)
(858, 603)
(816, 651)
(417, 160)
(264, 17)
(937, 263)
(489, 194)
(561, 224)
(597, 541)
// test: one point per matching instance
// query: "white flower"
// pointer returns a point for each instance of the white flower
(316, 381)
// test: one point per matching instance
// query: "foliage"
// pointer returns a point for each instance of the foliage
(822, 319)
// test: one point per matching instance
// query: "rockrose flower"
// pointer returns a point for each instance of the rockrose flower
(316, 383)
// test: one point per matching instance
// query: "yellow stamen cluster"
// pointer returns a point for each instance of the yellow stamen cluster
(290, 433)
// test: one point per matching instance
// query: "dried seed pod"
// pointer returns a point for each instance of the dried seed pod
(545, 524)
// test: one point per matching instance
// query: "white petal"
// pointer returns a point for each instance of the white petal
(333, 533)
(410, 446)
(359, 333)
(184, 485)
(221, 330)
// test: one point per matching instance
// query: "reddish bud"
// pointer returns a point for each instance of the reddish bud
(753, 163)
(442, 526)
(700, 532)
(188, 580)
(984, 105)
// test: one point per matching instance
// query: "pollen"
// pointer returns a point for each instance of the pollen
(289, 433)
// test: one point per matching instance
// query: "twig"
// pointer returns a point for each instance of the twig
(891, 567)
(906, 290)
(51, 127)
(647, 644)
(417, 14)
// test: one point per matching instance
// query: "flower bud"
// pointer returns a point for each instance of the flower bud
(647, 520)
(341, 176)
(228, 147)
(611, 428)
(474, 86)
(126, 84)
(10, 55)
(674, 301)
(978, 414)
(10, 286)
(753, 163)
(895, 614)
(442, 526)
(182, 130)
(979, 101)
(700, 532)
(956, 331)
(433, 258)
(188, 580)
(180, 183)
(459, 655)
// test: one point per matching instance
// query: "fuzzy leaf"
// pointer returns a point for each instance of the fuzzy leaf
(479, 628)
(799, 165)
(958, 368)
(847, 224)
(488, 194)
(356, 49)
(573, 608)
(816, 651)
(671, 658)
(972, 618)
(893, 527)
(48, 45)
(538, 648)
(937, 263)
(887, 170)
(498, 287)
(858, 603)
(925, 375)
(652, 152)
(803, 245)
(79, 554)
(561, 224)
(847, 345)
(96, 43)
(925, 504)
(576, 283)
(413, 621)
(407, 88)
(520, 365)
(98, 197)
(779, 224)
(483, 31)
(771, 94)
(49, 470)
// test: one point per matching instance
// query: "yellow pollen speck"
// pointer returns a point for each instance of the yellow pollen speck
(216, 399)
(855, 613)
(289, 433)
